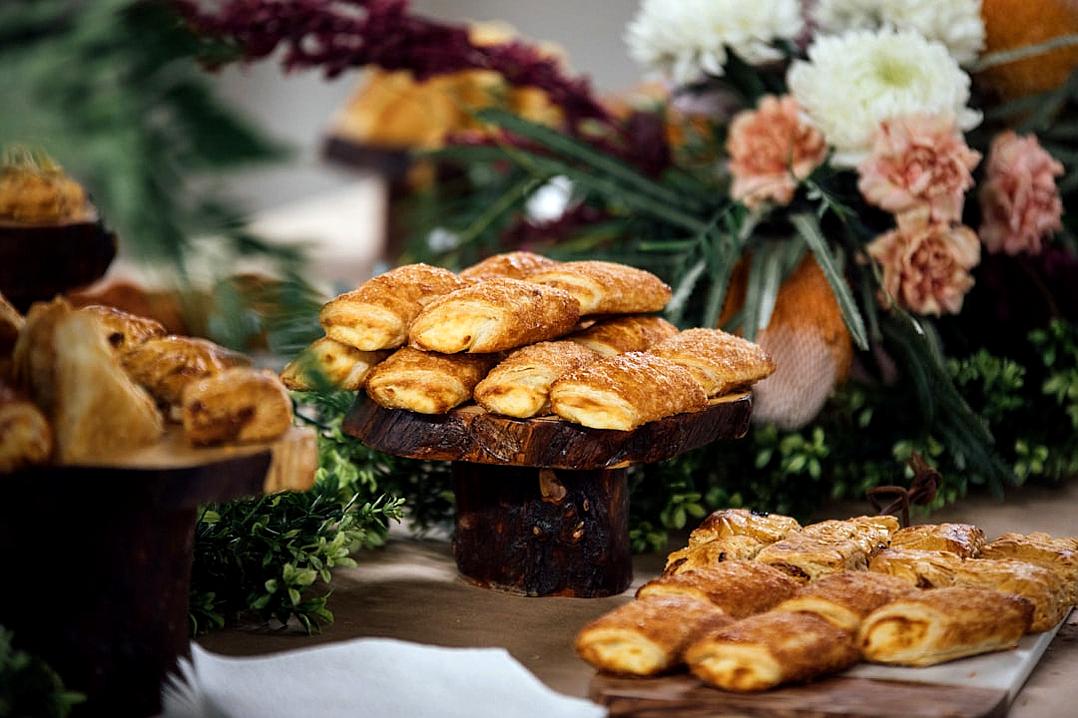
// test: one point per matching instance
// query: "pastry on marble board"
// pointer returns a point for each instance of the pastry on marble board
(871, 533)
(845, 598)
(965, 540)
(426, 382)
(343, 367)
(519, 386)
(809, 557)
(1057, 554)
(739, 588)
(1044, 589)
(720, 362)
(514, 265)
(923, 569)
(633, 333)
(239, 405)
(606, 287)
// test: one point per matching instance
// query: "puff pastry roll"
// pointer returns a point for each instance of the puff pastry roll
(1058, 555)
(625, 334)
(760, 525)
(647, 636)
(706, 555)
(238, 405)
(844, 599)
(377, 314)
(166, 365)
(493, 316)
(607, 288)
(922, 569)
(871, 533)
(520, 385)
(326, 359)
(808, 557)
(124, 330)
(514, 265)
(739, 588)
(425, 382)
(768, 650)
(625, 391)
(1044, 589)
(25, 436)
(942, 624)
(719, 361)
(11, 323)
(965, 540)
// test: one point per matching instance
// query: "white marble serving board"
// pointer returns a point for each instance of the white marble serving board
(1005, 670)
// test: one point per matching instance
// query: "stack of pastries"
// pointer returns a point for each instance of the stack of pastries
(757, 600)
(87, 385)
(524, 336)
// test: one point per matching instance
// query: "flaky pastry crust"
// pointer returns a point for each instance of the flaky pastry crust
(519, 386)
(720, 362)
(606, 287)
(426, 382)
(625, 334)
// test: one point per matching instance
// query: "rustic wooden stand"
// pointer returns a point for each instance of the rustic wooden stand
(542, 504)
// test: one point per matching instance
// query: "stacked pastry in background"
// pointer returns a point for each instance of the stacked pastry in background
(86, 385)
(756, 600)
(525, 336)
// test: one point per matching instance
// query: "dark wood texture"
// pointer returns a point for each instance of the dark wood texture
(682, 696)
(37, 262)
(472, 434)
(392, 164)
(543, 532)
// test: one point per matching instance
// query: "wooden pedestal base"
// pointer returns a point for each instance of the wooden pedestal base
(543, 532)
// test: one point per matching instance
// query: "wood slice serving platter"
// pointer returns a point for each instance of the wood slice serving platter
(542, 504)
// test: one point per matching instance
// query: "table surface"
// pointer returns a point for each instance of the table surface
(410, 590)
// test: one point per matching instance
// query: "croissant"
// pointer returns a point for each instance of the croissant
(706, 555)
(845, 598)
(236, 406)
(720, 362)
(514, 265)
(760, 525)
(923, 569)
(739, 588)
(965, 540)
(124, 330)
(166, 365)
(607, 288)
(492, 316)
(1058, 555)
(11, 323)
(425, 382)
(625, 334)
(1044, 589)
(647, 636)
(25, 436)
(941, 624)
(770, 649)
(810, 557)
(625, 391)
(520, 385)
(377, 314)
(326, 359)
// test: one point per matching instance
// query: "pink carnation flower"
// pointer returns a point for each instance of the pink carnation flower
(1020, 203)
(771, 149)
(917, 161)
(926, 264)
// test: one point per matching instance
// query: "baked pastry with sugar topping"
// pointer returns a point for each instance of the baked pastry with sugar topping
(965, 540)
(425, 382)
(513, 265)
(166, 365)
(720, 362)
(625, 334)
(124, 330)
(343, 366)
(606, 287)
(808, 557)
(239, 405)
(922, 569)
(739, 588)
(520, 385)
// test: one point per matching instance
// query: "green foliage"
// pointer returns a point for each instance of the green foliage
(28, 687)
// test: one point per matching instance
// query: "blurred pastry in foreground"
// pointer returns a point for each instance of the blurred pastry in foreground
(492, 316)
(36, 190)
(25, 436)
(520, 385)
(607, 288)
(965, 540)
(810, 557)
(625, 334)
(844, 599)
(166, 365)
(124, 330)
(327, 360)
(377, 314)
(706, 555)
(239, 405)
(34, 357)
(425, 382)
(739, 588)
(941, 624)
(1044, 589)
(625, 391)
(514, 265)
(770, 649)
(11, 323)
(720, 362)
(760, 525)
(923, 569)
(1059, 555)
(647, 636)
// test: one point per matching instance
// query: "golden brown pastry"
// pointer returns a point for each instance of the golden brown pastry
(706, 555)
(34, 358)
(625, 391)
(124, 330)
(625, 334)
(40, 192)
(492, 316)
(941, 624)
(721, 362)
(773, 648)
(514, 265)
(923, 569)
(166, 365)
(98, 411)
(760, 525)
(1044, 589)
(871, 533)
(425, 382)
(845, 598)
(25, 436)
(647, 636)
(340, 365)
(238, 405)
(520, 385)
(1058, 555)
(377, 314)
(810, 557)
(965, 540)
(607, 288)
(739, 588)
(11, 323)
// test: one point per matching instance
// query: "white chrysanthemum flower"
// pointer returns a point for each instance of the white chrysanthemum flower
(955, 23)
(688, 39)
(850, 83)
